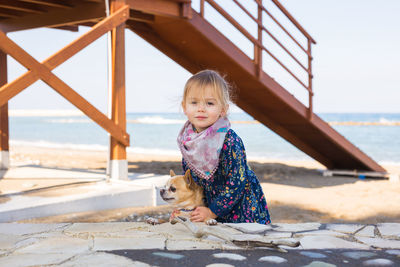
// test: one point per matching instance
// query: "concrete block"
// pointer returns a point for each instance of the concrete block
(154, 242)
(344, 228)
(329, 242)
(34, 259)
(380, 242)
(57, 245)
(296, 227)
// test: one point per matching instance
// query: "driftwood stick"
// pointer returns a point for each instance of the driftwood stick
(205, 231)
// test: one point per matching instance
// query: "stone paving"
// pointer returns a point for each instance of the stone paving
(141, 244)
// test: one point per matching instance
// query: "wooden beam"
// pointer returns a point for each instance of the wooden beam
(9, 47)
(140, 16)
(11, 89)
(4, 133)
(72, 28)
(82, 12)
(118, 107)
(51, 3)
(157, 7)
(4, 12)
(19, 6)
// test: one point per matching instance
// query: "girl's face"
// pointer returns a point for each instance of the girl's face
(202, 110)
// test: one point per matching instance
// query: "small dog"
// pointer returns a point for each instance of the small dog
(184, 194)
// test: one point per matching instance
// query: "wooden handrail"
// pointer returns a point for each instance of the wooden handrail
(293, 20)
(270, 34)
(251, 38)
(258, 44)
(283, 28)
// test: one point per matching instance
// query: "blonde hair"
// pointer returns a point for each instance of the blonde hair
(209, 78)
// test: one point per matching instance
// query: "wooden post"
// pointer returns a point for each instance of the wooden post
(257, 48)
(4, 135)
(118, 161)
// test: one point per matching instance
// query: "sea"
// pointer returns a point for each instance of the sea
(376, 134)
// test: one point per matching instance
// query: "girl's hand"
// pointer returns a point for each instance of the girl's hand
(200, 214)
(173, 214)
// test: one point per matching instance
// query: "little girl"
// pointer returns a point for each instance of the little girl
(215, 155)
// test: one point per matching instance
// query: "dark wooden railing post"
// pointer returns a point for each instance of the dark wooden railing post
(310, 77)
(202, 8)
(257, 48)
(4, 133)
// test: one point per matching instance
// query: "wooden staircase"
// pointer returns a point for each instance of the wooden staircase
(195, 44)
(186, 36)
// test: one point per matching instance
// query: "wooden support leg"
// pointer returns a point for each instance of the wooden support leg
(118, 161)
(4, 136)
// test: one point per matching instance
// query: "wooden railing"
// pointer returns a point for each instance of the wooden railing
(258, 42)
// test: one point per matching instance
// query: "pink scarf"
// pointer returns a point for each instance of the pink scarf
(201, 150)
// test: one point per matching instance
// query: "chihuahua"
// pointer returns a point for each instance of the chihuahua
(184, 195)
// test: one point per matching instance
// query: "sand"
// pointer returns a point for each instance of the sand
(296, 191)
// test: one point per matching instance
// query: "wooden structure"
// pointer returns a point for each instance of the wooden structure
(187, 37)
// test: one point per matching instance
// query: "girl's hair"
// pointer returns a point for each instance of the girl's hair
(209, 78)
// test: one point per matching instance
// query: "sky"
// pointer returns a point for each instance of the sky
(356, 61)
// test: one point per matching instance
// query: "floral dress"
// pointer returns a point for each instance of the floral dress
(234, 193)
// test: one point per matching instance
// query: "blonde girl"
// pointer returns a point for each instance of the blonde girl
(215, 155)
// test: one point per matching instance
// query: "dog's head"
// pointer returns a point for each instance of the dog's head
(180, 190)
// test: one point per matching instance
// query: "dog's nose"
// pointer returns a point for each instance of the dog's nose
(162, 191)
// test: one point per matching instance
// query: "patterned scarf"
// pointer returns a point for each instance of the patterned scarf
(201, 150)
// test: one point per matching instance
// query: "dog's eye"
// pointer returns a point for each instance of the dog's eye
(172, 189)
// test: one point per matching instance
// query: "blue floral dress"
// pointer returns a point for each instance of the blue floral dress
(234, 193)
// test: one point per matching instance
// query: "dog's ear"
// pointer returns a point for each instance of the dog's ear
(171, 172)
(189, 180)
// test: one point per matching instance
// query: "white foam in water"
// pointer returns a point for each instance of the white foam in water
(69, 121)
(44, 113)
(156, 120)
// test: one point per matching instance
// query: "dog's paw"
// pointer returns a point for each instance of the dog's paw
(211, 222)
(152, 221)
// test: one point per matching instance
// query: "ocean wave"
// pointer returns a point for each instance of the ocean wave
(44, 113)
(161, 120)
(156, 120)
(69, 121)
(366, 123)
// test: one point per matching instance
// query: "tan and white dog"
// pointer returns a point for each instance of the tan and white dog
(184, 195)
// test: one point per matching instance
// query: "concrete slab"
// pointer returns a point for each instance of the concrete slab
(320, 233)
(344, 228)
(368, 231)
(380, 242)
(250, 228)
(329, 242)
(56, 245)
(40, 172)
(389, 229)
(139, 242)
(297, 227)
(23, 260)
(100, 258)
(100, 194)
(30, 228)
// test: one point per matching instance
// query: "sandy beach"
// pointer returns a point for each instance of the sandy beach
(296, 191)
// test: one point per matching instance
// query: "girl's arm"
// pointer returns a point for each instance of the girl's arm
(234, 172)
